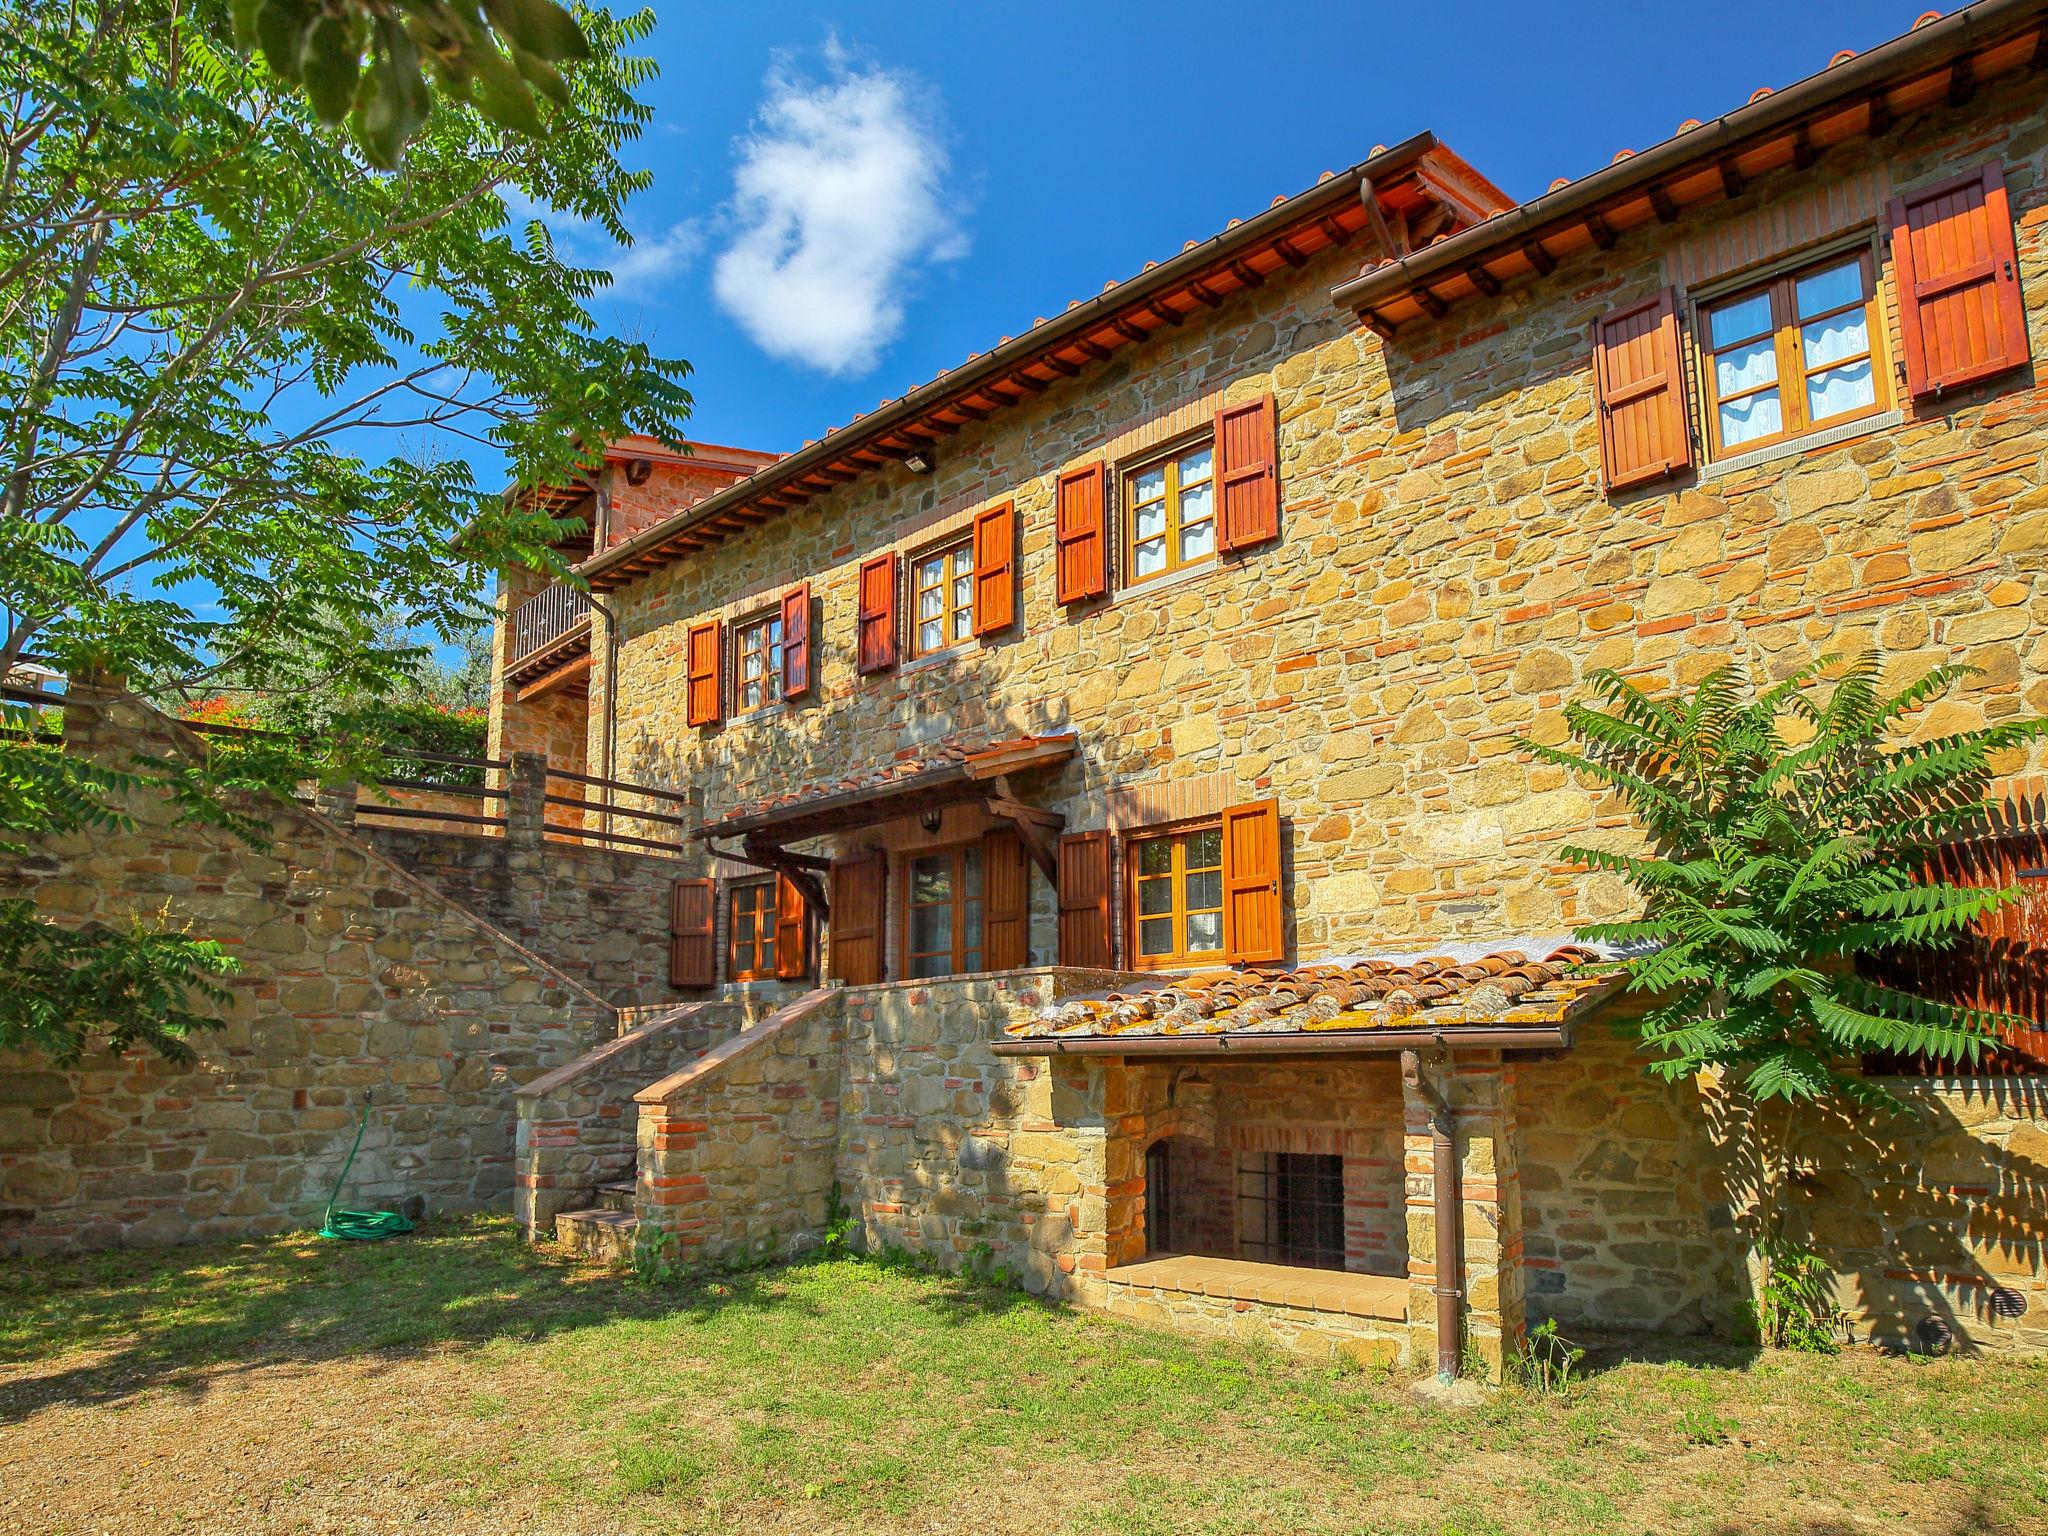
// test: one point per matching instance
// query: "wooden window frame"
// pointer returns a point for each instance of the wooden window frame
(951, 614)
(1179, 959)
(958, 852)
(744, 632)
(1169, 458)
(1780, 283)
(762, 896)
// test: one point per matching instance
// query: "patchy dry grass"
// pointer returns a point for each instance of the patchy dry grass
(457, 1381)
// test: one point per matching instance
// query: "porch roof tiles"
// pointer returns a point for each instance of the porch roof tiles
(917, 778)
(1502, 998)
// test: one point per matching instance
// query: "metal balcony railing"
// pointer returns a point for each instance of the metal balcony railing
(545, 617)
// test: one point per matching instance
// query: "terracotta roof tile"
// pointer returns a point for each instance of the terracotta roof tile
(1500, 989)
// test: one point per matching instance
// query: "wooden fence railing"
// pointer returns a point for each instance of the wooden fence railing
(614, 804)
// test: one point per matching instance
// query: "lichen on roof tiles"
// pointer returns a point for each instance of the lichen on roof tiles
(1499, 989)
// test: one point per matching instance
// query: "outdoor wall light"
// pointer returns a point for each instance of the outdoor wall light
(930, 818)
(918, 462)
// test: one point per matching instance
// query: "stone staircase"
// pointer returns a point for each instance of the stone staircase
(605, 1231)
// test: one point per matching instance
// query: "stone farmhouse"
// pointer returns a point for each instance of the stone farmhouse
(1087, 832)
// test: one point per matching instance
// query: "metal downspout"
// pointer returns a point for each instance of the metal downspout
(1450, 1242)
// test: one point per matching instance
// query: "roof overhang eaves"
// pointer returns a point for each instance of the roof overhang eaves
(1840, 86)
(652, 547)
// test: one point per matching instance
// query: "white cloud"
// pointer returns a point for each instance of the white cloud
(839, 201)
(635, 268)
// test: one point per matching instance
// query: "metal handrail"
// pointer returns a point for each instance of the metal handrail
(546, 617)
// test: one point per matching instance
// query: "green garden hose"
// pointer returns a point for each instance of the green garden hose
(363, 1226)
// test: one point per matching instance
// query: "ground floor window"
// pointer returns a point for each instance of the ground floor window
(1290, 1208)
(944, 933)
(1176, 897)
(750, 946)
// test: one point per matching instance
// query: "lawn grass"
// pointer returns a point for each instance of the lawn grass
(458, 1380)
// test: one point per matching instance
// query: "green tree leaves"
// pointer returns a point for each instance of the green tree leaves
(369, 60)
(1790, 842)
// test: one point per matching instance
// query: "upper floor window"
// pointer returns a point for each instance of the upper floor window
(946, 916)
(758, 646)
(942, 586)
(750, 948)
(1170, 513)
(1793, 354)
(1177, 897)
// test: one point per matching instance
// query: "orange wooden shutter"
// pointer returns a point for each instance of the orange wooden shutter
(856, 952)
(691, 958)
(1080, 535)
(1639, 380)
(1006, 910)
(875, 642)
(702, 665)
(1251, 883)
(1961, 317)
(995, 569)
(1084, 900)
(791, 962)
(1247, 475)
(796, 641)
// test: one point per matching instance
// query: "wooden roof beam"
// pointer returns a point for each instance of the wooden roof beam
(1165, 312)
(1482, 279)
(1288, 253)
(1024, 381)
(1661, 203)
(1731, 177)
(1596, 226)
(1206, 295)
(1334, 231)
(1539, 258)
(971, 412)
(1377, 218)
(1428, 300)
(1091, 349)
(1803, 154)
(1059, 365)
(1250, 276)
(1130, 332)
(1377, 323)
(1881, 118)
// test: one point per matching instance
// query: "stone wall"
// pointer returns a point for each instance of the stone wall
(736, 1149)
(1449, 574)
(577, 1126)
(356, 979)
(599, 914)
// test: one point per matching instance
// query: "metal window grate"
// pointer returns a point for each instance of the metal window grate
(1290, 1208)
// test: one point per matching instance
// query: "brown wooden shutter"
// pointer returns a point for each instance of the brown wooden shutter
(692, 959)
(1252, 931)
(856, 948)
(1639, 380)
(796, 641)
(1961, 317)
(1084, 901)
(791, 961)
(1248, 475)
(875, 642)
(1006, 897)
(701, 658)
(995, 569)
(1081, 534)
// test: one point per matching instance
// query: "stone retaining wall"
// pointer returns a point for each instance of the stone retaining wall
(357, 978)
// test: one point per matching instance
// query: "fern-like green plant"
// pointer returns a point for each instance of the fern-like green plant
(1791, 833)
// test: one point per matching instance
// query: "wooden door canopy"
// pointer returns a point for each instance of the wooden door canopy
(955, 775)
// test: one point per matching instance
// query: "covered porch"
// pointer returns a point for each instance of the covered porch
(1322, 1158)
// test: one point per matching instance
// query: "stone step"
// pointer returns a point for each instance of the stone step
(606, 1236)
(617, 1196)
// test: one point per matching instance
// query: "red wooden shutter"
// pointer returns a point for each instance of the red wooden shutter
(1248, 475)
(1639, 380)
(796, 641)
(875, 642)
(1084, 900)
(1006, 909)
(995, 569)
(1961, 317)
(791, 962)
(856, 936)
(1081, 535)
(1252, 932)
(692, 961)
(701, 658)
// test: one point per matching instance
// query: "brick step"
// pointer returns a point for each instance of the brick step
(616, 1196)
(606, 1236)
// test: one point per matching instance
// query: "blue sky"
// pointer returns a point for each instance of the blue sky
(847, 199)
